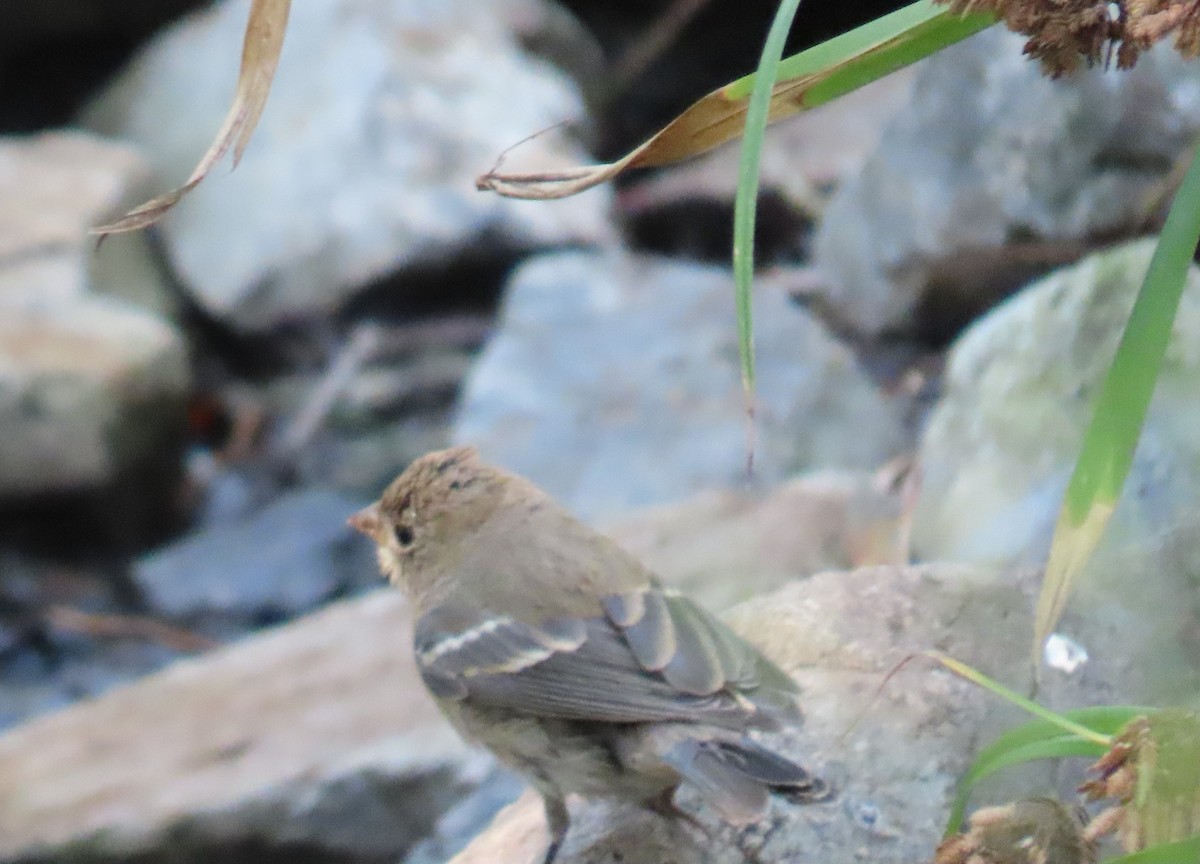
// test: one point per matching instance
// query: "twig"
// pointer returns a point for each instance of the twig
(127, 627)
(300, 431)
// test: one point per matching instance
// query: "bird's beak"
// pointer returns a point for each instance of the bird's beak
(367, 520)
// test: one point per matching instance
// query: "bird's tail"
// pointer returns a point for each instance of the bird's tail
(737, 776)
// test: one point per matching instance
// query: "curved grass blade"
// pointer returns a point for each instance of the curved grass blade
(745, 205)
(1061, 721)
(805, 80)
(1112, 435)
(260, 56)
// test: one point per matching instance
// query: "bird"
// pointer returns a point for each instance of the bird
(546, 642)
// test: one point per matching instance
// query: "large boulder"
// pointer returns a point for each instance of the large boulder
(993, 172)
(1000, 446)
(89, 390)
(318, 737)
(91, 387)
(613, 381)
(380, 117)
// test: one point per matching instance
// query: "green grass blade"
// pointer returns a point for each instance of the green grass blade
(869, 52)
(821, 73)
(1063, 722)
(1102, 720)
(1112, 436)
(745, 204)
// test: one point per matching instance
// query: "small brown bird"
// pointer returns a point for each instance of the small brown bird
(549, 644)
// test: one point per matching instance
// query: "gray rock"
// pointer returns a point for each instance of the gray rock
(317, 735)
(467, 818)
(89, 386)
(893, 742)
(614, 382)
(1001, 445)
(988, 153)
(89, 389)
(312, 733)
(282, 560)
(380, 117)
(57, 186)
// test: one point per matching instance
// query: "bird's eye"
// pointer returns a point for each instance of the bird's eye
(404, 534)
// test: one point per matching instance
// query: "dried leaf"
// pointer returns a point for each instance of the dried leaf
(260, 55)
(806, 80)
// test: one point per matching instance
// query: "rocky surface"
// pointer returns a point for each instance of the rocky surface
(826, 520)
(271, 564)
(319, 309)
(90, 386)
(318, 736)
(993, 172)
(57, 186)
(89, 389)
(364, 161)
(613, 381)
(893, 750)
(1001, 445)
(323, 719)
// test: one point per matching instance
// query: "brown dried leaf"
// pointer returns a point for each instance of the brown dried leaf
(260, 55)
(721, 115)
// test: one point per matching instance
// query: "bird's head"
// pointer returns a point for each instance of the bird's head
(423, 519)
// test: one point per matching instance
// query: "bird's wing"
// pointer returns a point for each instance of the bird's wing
(652, 655)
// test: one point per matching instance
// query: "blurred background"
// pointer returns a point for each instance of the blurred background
(188, 414)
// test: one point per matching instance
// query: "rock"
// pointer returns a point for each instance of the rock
(317, 735)
(90, 390)
(630, 366)
(379, 120)
(894, 751)
(364, 462)
(467, 818)
(1000, 446)
(993, 173)
(828, 520)
(57, 186)
(283, 560)
(90, 387)
(614, 382)
(65, 636)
